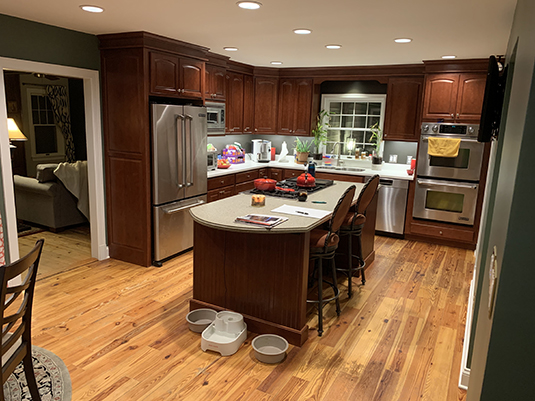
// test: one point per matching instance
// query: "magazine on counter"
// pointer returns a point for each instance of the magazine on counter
(262, 220)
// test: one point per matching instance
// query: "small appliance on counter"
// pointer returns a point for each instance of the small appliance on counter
(234, 154)
(211, 155)
(261, 150)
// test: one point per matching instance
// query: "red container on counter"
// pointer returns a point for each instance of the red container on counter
(272, 154)
(413, 164)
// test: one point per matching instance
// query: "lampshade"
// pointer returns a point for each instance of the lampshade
(15, 133)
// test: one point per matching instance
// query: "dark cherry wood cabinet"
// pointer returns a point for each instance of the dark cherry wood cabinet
(276, 174)
(171, 75)
(294, 106)
(215, 83)
(454, 97)
(234, 105)
(248, 104)
(265, 107)
(403, 108)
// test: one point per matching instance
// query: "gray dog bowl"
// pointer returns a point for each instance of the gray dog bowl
(200, 319)
(270, 348)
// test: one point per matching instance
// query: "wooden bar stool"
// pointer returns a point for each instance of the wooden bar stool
(323, 245)
(352, 227)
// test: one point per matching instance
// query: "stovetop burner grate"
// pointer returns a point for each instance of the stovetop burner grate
(290, 184)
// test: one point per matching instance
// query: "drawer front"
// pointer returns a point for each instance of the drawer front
(275, 174)
(244, 186)
(220, 182)
(227, 191)
(292, 173)
(263, 172)
(340, 177)
(213, 195)
(441, 232)
(246, 176)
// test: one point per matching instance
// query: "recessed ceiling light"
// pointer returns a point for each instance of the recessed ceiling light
(449, 56)
(230, 49)
(276, 62)
(249, 5)
(403, 40)
(92, 9)
(333, 46)
(302, 31)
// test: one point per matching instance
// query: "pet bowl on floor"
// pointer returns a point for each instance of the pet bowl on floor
(225, 334)
(270, 348)
(200, 319)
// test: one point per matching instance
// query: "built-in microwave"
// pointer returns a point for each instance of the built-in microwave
(215, 118)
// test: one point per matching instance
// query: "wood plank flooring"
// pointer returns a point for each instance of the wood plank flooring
(63, 250)
(121, 330)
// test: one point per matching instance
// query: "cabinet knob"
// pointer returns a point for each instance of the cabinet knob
(256, 129)
(222, 181)
(451, 115)
(247, 128)
(440, 232)
(457, 115)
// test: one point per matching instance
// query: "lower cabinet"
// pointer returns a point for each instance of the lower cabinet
(221, 193)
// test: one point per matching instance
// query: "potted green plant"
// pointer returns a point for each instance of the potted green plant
(320, 133)
(302, 148)
(377, 139)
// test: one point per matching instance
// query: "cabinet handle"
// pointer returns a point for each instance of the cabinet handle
(451, 115)
(440, 232)
(457, 115)
(246, 128)
(222, 182)
(256, 129)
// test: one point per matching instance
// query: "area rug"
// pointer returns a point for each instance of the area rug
(25, 230)
(52, 376)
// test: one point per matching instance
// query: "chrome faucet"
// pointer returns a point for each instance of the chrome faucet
(338, 162)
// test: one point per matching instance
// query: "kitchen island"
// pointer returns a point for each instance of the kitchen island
(258, 272)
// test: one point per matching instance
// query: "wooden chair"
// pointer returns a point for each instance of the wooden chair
(323, 245)
(17, 300)
(352, 227)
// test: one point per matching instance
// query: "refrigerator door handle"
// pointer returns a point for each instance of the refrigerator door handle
(171, 211)
(190, 147)
(180, 137)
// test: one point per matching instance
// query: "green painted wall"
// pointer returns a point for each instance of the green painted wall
(28, 40)
(503, 351)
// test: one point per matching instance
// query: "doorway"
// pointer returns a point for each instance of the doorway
(93, 141)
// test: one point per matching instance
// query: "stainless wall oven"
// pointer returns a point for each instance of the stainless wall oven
(447, 187)
(449, 201)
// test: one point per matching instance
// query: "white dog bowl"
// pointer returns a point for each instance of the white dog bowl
(200, 319)
(270, 348)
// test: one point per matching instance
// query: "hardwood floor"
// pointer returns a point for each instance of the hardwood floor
(62, 251)
(121, 330)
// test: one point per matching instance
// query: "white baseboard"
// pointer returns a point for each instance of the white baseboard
(464, 376)
(103, 252)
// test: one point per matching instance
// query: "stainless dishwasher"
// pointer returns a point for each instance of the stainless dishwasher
(391, 206)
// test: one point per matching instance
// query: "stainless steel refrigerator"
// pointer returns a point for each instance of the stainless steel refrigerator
(179, 180)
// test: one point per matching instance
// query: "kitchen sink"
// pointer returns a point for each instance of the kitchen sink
(340, 168)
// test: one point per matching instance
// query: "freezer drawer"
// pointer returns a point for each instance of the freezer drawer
(173, 227)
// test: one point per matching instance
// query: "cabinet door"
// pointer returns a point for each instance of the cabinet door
(286, 106)
(303, 108)
(440, 96)
(234, 106)
(192, 78)
(275, 174)
(218, 83)
(265, 116)
(164, 74)
(208, 72)
(248, 104)
(470, 97)
(403, 105)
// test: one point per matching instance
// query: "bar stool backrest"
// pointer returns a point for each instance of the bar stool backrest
(367, 194)
(16, 303)
(341, 209)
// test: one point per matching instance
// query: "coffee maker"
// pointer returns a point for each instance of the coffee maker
(261, 150)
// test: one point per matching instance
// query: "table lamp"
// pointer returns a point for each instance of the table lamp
(15, 133)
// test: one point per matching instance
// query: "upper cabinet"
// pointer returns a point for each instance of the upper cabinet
(403, 108)
(294, 106)
(215, 82)
(234, 105)
(176, 76)
(454, 97)
(248, 104)
(265, 108)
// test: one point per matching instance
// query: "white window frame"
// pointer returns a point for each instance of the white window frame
(327, 99)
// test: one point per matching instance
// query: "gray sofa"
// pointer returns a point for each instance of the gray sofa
(45, 200)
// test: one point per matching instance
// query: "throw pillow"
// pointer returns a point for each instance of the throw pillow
(45, 172)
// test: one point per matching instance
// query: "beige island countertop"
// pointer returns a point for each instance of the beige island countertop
(222, 214)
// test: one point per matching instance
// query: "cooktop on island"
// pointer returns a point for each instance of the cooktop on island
(289, 189)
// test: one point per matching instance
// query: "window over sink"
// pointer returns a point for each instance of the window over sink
(351, 117)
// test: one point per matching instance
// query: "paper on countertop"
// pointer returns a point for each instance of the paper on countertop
(305, 211)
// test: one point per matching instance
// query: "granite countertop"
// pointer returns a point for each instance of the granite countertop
(222, 213)
(389, 170)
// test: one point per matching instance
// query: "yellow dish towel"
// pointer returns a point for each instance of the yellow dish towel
(443, 147)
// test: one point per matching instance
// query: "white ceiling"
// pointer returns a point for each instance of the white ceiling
(365, 29)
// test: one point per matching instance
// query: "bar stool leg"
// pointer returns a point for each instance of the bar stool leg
(337, 291)
(320, 296)
(361, 261)
(350, 267)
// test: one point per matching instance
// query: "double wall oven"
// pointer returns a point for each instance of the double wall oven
(447, 187)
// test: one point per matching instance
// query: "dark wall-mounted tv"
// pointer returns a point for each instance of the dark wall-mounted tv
(492, 102)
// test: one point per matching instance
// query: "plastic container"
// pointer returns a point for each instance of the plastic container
(225, 334)
(200, 319)
(270, 348)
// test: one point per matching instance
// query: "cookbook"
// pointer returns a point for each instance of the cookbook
(261, 220)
